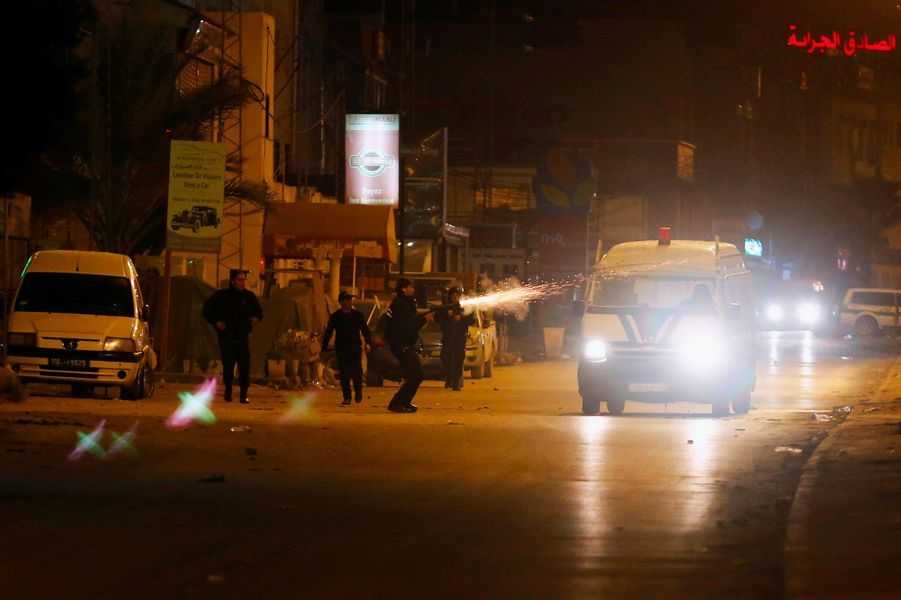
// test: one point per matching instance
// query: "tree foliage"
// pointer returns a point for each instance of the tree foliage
(116, 156)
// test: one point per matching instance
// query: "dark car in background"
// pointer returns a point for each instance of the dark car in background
(481, 350)
(194, 219)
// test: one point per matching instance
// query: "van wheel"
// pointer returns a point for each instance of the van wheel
(866, 327)
(616, 405)
(489, 368)
(721, 407)
(741, 404)
(195, 226)
(138, 389)
(590, 406)
(478, 371)
(374, 378)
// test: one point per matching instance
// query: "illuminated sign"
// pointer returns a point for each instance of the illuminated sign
(834, 43)
(753, 247)
(372, 146)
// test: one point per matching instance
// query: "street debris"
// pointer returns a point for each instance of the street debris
(484, 408)
(842, 410)
(690, 442)
(821, 417)
(250, 451)
(240, 429)
(740, 429)
(870, 409)
(787, 450)
(215, 578)
(454, 423)
(214, 478)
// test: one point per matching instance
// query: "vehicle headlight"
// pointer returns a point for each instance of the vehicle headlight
(809, 313)
(21, 339)
(703, 352)
(119, 345)
(594, 351)
(774, 312)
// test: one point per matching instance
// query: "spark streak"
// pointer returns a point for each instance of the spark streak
(513, 297)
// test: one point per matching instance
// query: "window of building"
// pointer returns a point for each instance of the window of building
(511, 197)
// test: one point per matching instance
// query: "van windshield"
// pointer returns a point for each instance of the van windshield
(76, 294)
(651, 292)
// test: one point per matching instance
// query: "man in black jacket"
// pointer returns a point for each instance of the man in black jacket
(348, 324)
(454, 331)
(233, 312)
(403, 334)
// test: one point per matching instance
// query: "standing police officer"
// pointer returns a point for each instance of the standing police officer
(455, 326)
(403, 333)
(349, 325)
(233, 312)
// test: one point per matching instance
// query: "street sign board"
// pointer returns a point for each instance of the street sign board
(372, 147)
(196, 201)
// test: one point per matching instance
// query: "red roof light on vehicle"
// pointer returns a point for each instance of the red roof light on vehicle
(664, 236)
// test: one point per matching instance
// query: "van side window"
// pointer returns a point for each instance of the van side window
(873, 298)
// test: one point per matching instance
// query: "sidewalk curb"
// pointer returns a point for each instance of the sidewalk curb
(795, 548)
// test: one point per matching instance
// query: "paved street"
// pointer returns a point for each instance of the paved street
(502, 490)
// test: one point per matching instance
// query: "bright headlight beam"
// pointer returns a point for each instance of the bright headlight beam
(595, 350)
(774, 312)
(809, 313)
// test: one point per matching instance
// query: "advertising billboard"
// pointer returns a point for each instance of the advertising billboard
(196, 196)
(372, 148)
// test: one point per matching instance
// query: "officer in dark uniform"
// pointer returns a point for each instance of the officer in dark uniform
(455, 326)
(233, 312)
(403, 333)
(348, 325)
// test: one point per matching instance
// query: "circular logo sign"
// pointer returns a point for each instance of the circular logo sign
(371, 163)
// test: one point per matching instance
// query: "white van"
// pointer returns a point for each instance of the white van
(79, 318)
(869, 311)
(666, 321)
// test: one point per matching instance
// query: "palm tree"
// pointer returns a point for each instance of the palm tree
(116, 158)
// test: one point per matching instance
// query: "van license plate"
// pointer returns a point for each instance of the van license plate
(647, 387)
(69, 363)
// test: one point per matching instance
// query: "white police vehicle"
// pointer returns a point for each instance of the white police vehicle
(666, 321)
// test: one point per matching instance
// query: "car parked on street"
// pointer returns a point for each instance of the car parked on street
(481, 351)
(867, 312)
(79, 318)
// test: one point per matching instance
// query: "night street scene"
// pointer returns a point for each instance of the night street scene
(451, 299)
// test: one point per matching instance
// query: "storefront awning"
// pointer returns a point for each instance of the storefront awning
(293, 229)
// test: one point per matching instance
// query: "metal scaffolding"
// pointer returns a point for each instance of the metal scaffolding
(230, 131)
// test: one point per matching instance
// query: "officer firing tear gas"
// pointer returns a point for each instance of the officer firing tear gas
(455, 326)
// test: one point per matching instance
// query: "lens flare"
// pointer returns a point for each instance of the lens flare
(123, 443)
(194, 408)
(300, 408)
(89, 443)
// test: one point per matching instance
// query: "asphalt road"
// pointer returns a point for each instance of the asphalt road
(502, 490)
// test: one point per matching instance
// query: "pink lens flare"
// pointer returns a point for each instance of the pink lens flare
(89, 443)
(194, 408)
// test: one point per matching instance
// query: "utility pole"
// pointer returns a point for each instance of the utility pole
(489, 196)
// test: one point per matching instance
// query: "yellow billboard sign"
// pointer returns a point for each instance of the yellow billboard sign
(196, 196)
